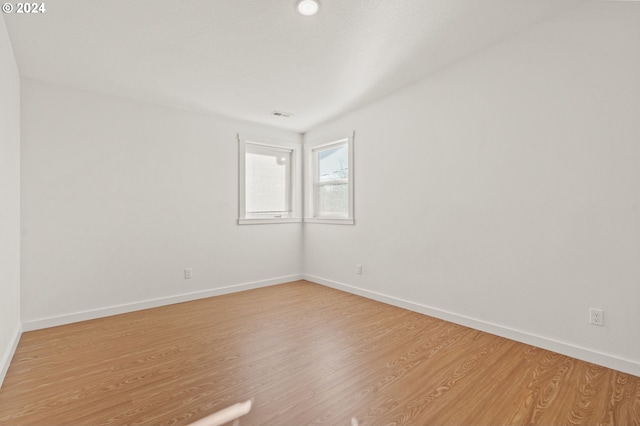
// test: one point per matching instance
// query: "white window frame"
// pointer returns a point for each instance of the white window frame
(312, 184)
(294, 186)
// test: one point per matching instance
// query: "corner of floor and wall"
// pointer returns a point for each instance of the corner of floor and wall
(501, 193)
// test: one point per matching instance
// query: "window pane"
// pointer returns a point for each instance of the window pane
(333, 164)
(333, 200)
(267, 177)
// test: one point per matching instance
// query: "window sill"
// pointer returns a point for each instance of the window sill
(266, 221)
(330, 221)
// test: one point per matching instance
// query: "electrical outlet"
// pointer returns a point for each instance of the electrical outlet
(187, 273)
(596, 316)
(359, 269)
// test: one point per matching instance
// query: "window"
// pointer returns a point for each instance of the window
(268, 181)
(330, 182)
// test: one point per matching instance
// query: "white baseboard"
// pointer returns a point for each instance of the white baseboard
(152, 303)
(584, 354)
(8, 353)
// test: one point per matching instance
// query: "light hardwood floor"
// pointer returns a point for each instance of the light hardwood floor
(307, 354)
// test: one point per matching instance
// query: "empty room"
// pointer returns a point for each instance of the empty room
(329, 212)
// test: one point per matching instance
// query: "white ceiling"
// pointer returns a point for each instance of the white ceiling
(246, 58)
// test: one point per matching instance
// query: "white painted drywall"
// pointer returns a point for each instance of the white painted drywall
(506, 189)
(119, 197)
(244, 58)
(9, 201)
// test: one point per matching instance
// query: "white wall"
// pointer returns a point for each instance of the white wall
(504, 192)
(119, 197)
(9, 202)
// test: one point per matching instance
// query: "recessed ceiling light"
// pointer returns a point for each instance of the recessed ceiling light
(307, 7)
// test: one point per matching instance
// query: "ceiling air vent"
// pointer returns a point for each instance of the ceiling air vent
(281, 114)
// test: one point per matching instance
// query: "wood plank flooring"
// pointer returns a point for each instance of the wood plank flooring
(307, 354)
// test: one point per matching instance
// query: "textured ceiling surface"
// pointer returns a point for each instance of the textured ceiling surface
(246, 58)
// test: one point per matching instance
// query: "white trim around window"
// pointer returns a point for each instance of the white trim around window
(279, 200)
(322, 178)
